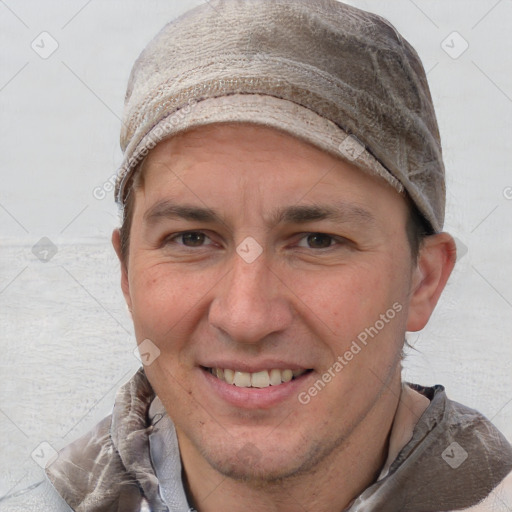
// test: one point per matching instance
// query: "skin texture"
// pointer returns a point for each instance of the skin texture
(300, 304)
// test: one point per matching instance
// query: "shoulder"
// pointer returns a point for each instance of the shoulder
(447, 421)
(69, 476)
(109, 468)
(84, 466)
(478, 437)
(470, 457)
(455, 460)
(498, 500)
(91, 449)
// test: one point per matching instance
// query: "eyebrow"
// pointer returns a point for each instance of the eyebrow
(338, 212)
(342, 212)
(169, 210)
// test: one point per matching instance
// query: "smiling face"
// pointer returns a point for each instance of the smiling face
(255, 258)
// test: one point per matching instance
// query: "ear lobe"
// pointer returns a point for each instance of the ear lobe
(125, 284)
(435, 264)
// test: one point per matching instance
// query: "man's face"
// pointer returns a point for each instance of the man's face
(335, 263)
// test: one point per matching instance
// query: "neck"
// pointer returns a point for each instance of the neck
(330, 486)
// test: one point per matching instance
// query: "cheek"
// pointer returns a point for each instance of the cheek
(161, 300)
(346, 299)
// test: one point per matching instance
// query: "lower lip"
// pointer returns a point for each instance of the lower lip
(255, 398)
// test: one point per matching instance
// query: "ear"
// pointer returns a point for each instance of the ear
(125, 284)
(436, 260)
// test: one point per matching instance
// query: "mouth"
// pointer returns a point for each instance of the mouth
(261, 379)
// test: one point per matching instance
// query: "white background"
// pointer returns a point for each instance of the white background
(65, 336)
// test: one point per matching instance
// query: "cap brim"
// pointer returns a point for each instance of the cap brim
(278, 113)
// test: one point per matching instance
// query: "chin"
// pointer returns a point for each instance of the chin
(259, 472)
(263, 463)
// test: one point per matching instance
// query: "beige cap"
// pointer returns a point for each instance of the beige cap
(330, 74)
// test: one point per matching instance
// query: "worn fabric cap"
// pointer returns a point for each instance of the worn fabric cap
(338, 77)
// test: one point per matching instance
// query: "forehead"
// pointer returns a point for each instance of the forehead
(240, 161)
(234, 139)
(244, 143)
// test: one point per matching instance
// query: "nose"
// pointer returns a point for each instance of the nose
(250, 303)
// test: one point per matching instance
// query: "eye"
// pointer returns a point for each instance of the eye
(190, 239)
(317, 241)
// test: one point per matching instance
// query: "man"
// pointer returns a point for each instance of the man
(283, 203)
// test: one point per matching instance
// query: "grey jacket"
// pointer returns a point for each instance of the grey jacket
(455, 460)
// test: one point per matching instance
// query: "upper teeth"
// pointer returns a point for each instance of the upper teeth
(261, 379)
